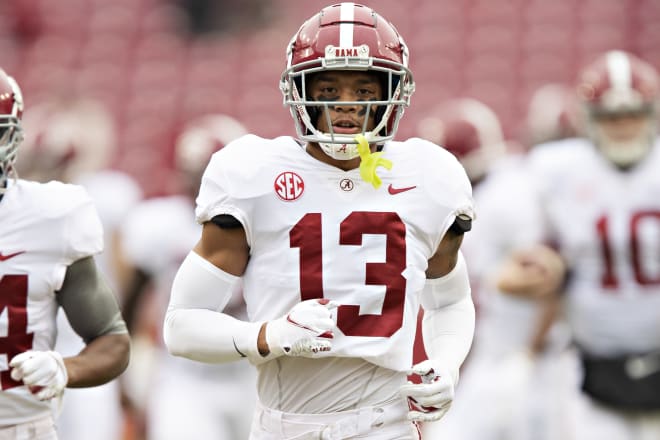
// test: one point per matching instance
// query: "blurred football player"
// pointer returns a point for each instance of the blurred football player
(471, 131)
(599, 207)
(49, 234)
(336, 237)
(72, 139)
(180, 398)
(508, 329)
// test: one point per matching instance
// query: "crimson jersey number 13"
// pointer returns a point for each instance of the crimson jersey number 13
(307, 236)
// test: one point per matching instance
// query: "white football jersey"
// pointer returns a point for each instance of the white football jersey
(115, 194)
(504, 199)
(43, 229)
(607, 225)
(316, 231)
(157, 236)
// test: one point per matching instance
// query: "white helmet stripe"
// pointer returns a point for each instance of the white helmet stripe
(346, 14)
(618, 68)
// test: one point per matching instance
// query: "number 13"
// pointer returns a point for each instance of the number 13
(307, 236)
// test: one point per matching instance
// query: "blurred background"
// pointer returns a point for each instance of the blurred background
(156, 64)
(116, 83)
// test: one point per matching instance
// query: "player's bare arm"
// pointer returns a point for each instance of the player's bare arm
(225, 247)
(535, 273)
(94, 314)
(446, 256)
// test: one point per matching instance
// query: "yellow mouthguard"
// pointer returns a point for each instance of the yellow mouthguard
(370, 161)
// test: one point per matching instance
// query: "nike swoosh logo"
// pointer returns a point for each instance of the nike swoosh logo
(392, 190)
(7, 257)
(237, 350)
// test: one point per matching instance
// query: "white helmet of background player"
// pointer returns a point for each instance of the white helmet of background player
(11, 132)
(66, 138)
(619, 94)
(551, 114)
(347, 36)
(202, 137)
(470, 130)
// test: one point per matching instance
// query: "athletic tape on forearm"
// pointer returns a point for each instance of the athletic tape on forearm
(195, 327)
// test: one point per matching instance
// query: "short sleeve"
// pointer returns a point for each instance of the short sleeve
(218, 192)
(83, 227)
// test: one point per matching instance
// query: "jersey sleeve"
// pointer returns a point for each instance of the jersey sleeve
(229, 182)
(448, 184)
(138, 248)
(82, 226)
(146, 239)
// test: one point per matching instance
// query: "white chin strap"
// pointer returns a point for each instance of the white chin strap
(343, 151)
(340, 151)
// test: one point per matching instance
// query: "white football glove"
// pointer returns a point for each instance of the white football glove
(43, 372)
(431, 399)
(304, 331)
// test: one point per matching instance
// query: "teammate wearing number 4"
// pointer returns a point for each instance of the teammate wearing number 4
(598, 198)
(49, 234)
(333, 265)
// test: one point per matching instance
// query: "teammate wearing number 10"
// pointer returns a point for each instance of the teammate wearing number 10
(337, 238)
(598, 201)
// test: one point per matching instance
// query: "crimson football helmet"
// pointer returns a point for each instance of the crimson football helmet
(201, 138)
(470, 130)
(618, 84)
(347, 36)
(11, 131)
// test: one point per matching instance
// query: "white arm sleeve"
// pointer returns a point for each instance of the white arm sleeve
(195, 327)
(449, 318)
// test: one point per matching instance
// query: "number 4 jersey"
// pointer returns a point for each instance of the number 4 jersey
(316, 231)
(43, 229)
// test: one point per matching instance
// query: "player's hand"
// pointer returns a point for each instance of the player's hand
(537, 272)
(432, 398)
(305, 331)
(43, 372)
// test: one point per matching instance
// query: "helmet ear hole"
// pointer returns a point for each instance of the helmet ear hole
(380, 112)
(314, 112)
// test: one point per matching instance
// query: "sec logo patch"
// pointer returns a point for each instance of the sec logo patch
(289, 186)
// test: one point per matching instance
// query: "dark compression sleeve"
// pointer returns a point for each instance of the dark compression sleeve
(88, 301)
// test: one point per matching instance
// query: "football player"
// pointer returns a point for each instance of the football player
(72, 139)
(599, 207)
(337, 237)
(49, 234)
(179, 398)
(510, 331)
